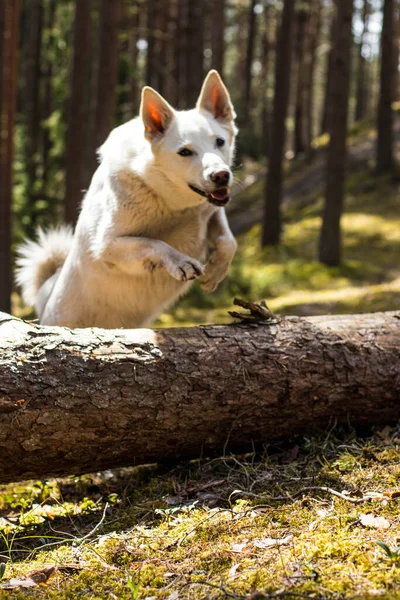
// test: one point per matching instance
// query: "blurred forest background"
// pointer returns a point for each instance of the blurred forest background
(315, 84)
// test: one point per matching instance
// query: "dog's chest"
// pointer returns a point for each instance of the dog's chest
(184, 230)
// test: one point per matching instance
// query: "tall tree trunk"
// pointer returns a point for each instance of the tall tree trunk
(248, 66)
(47, 100)
(77, 110)
(330, 238)
(107, 77)
(133, 52)
(31, 101)
(266, 57)
(195, 51)
(181, 50)
(9, 33)
(362, 89)
(312, 40)
(396, 51)
(329, 67)
(300, 130)
(384, 149)
(273, 190)
(217, 35)
(83, 401)
(151, 68)
(171, 78)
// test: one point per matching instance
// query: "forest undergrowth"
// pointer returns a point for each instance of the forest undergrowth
(317, 517)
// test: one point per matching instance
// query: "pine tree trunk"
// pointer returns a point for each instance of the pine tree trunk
(77, 109)
(248, 75)
(330, 238)
(181, 49)
(195, 51)
(107, 79)
(273, 191)
(313, 34)
(9, 34)
(396, 51)
(384, 149)
(300, 130)
(47, 101)
(266, 58)
(82, 400)
(31, 102)
(362, 90)
(329, 66)
(217, 35)
(133, 52)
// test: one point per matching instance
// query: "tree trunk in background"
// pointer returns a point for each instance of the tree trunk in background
(240, 20)
(217, 35)
(31, 101)
(164, 47)
(150, 55)
(86, 400)
(248, 75)
(107, 77)
(77, 109)
(133, 51)
(329, 65)
(312, 40)
(384, 150)
(396, 51)
(266, 54)
(47, 100)
(181, 49)
(300, 129)
(330, 237)
(171, 77)
(362, 89)
(9, 34)
(273, 190)
(195, 51)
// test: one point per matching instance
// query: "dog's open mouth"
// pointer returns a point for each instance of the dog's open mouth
(219, 197)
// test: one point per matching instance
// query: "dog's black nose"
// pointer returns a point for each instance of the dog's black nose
(220, 178)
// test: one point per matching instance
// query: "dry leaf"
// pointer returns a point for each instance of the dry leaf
(238, 547)
(369, 520)
(271, 542)
(232, 571)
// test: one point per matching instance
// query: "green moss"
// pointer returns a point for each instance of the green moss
(206, 522)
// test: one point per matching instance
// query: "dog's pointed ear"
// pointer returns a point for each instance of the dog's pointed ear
(156, 114)
(215, 98)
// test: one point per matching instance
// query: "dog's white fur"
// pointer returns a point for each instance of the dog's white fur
(142, 234)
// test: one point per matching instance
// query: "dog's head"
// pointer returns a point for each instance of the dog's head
(193, 149)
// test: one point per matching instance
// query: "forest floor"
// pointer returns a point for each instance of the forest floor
(315, 518)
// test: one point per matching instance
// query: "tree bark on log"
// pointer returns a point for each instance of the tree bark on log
(75, 401)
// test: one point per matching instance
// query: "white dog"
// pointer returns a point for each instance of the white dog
(152, 218)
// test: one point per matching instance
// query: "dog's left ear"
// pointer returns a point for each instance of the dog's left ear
(156, 114)
(215, 98)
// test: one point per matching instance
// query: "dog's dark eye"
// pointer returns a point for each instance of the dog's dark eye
(220, 142)
(185, 152)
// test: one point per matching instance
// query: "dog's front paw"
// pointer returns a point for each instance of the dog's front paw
(213, 276)
(186, 269)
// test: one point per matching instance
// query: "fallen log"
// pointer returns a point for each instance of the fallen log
(75, 401)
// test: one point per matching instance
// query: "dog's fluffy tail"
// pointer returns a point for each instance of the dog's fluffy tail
(38, 260)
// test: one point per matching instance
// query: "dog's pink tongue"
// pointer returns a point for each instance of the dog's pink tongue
(221, 194)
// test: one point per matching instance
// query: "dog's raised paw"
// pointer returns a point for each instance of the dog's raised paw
(187, 270)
